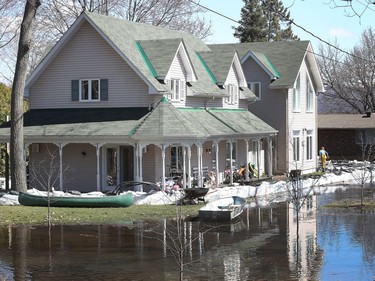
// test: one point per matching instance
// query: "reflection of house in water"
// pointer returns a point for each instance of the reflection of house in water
(261, 245)
(302, 249)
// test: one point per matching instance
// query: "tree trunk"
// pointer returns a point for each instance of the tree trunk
(17, 161)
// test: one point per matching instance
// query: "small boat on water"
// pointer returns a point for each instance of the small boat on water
(106, 201)
(222, 210)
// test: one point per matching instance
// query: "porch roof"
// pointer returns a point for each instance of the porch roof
(164, 123)
(77, 124)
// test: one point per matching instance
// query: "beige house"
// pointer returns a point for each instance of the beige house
(116, 101)
(285, 78)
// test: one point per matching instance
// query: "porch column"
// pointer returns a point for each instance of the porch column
(189, 165)
(231, 162)
(184, 166)
(163, 166)
(247, 177)
(141, 162)
(258, 160)
(97, 147)
(199, 152)
(61, 145)
(217, 175)
(270, 157)
(139, 157)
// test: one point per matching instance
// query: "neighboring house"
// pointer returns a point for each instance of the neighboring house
(285, 78)
(347, 136)
(117, 101)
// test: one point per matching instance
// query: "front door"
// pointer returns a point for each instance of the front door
(127, 163)
(119, 165)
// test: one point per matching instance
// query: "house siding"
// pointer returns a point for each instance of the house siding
(283, 118)
(271, 108)
(72, 163)
(302, 121)
(231, 79)
(88, 56)
(177, 71)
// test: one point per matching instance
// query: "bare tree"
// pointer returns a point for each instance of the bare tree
(45, 174)
(352, 8)
(363, 170)
(56, 16)
(17, 160)
(350, 78)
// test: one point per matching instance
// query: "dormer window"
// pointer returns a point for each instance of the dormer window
(233, 94)
(89, 90)
(178, 89)
(255, 88)
(297, 94)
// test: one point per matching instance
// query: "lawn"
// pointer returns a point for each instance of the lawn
(38, 215)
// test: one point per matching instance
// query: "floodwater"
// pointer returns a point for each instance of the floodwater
(261, 245)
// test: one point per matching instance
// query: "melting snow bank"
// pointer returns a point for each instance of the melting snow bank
(263, 194)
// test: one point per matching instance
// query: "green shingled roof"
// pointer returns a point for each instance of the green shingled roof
(286, 57)
(168, 122)
(124, 35)
(264, 60)
(219, 63)
(161, 53)
(164, 122)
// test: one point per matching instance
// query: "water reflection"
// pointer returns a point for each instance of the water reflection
(262, 245)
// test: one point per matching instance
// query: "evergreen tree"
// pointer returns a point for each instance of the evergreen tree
(262, 20)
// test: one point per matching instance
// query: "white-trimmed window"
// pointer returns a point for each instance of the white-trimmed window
(255, 87)
(89, 90)
(309, 144)
(178, 89)
(296, 145)
(309, 97)
(233, 94)
(297, 94)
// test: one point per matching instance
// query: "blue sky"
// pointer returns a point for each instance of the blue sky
(317, 16)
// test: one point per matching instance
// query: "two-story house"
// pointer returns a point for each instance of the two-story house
(115, 101)
(285, 78)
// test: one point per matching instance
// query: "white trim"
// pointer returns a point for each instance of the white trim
(190, 74)
(237, 66)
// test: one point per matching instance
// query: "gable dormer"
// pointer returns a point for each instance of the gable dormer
(169, 62)
(167, 58)
(226, 69)
(264, 62)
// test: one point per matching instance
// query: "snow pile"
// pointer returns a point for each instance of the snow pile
(264, 193)
(9, 200)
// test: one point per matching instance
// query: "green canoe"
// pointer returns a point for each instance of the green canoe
(122, 200)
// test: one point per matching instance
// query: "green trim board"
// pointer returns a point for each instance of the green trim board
(212, 76)
(146, 59)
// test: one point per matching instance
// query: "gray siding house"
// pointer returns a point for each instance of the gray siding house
(285, 78)
(116, 101)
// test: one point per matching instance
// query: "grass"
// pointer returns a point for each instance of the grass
(80, 216)
(352, 203)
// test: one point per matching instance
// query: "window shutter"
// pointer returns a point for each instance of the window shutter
(75, 90)
(235, 94)
(103, 89)
(183, 89)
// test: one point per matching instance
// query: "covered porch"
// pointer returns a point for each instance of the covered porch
(95, 149)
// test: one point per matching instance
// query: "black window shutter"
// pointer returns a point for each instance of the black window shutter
(75, 90)
(103, 89)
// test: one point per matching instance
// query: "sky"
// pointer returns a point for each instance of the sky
(317, 16)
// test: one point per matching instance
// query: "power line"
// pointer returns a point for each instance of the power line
(295, 24)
